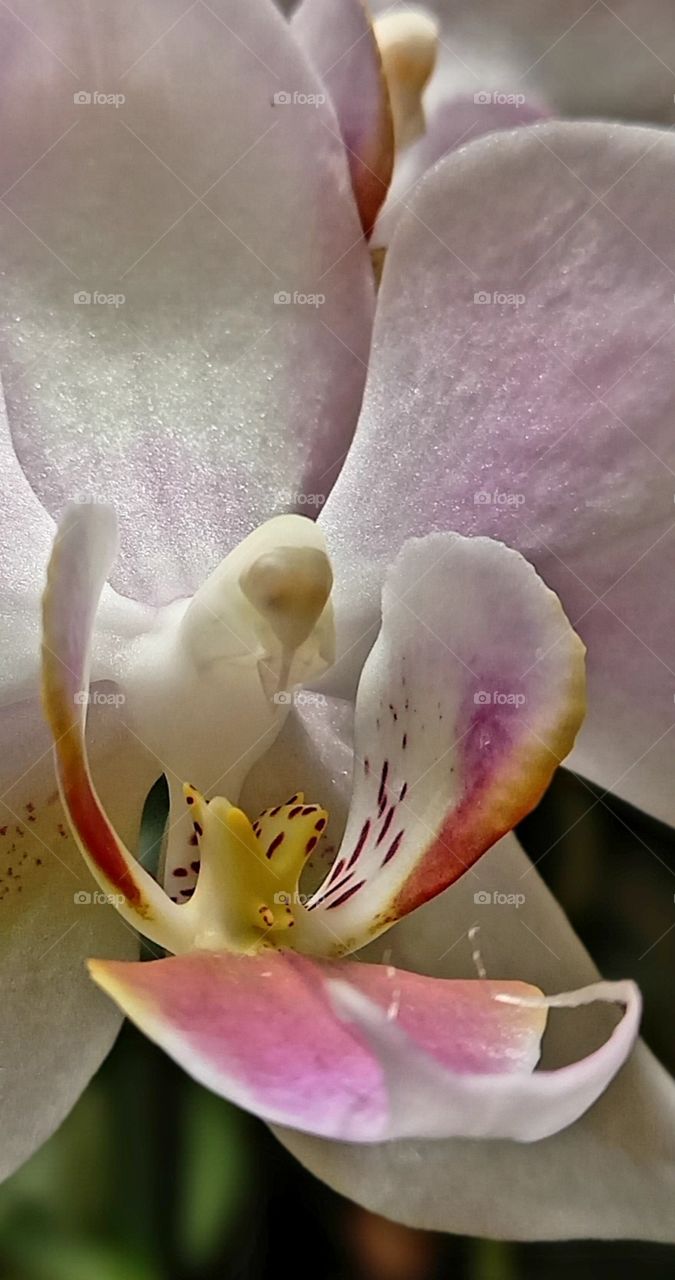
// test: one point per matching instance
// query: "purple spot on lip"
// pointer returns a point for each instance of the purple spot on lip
(274, 844)
(360, 842)
(345, 896)
(337, 886)
(393, 847)
(329, 892)
(382, 793)
(386, 825)
(335, 871)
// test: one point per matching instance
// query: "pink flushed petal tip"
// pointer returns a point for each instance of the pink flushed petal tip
(366, 1053)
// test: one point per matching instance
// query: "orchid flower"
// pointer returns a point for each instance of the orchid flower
(348, 1051)
(186, 334)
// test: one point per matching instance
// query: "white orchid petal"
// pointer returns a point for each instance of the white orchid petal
(187, 294)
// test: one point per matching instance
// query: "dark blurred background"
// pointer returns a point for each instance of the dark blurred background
(153, 1178)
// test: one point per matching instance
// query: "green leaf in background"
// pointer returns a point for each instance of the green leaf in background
(214, 1174)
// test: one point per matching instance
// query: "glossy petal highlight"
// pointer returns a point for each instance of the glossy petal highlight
(167, 359)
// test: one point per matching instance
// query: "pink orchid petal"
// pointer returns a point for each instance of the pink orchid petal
(611, 1174)
(468, 702)
(199, 404)
(451, 124)
(362, 1052)
(543, 416)
(340, 43)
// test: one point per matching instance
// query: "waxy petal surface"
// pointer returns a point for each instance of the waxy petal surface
(359, 1051)
(468, 702)
(522, 386)
(451, 124)
(175, 334)
(26, 535)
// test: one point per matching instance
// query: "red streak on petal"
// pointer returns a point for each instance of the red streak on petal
(96, 834)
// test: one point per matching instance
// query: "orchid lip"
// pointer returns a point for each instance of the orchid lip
(247, 872)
